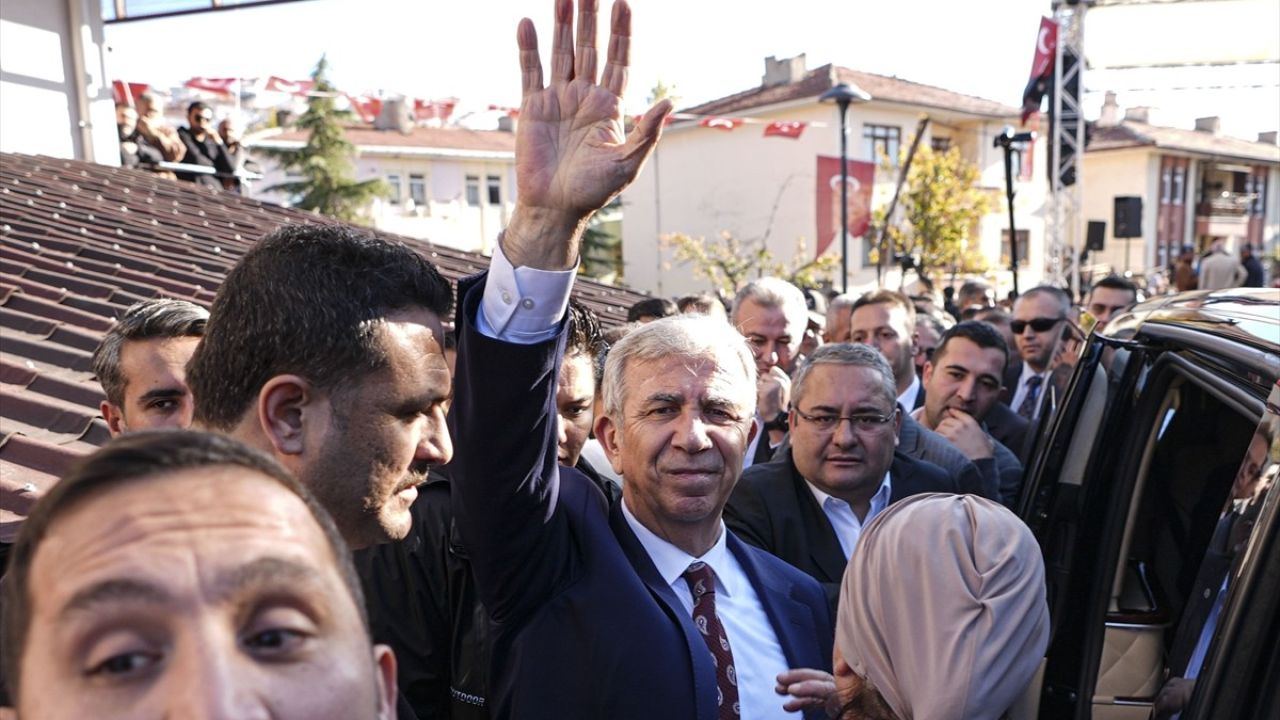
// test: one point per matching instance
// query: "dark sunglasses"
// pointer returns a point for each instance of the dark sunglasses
(1038, 324)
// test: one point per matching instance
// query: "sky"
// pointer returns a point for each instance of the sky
(711, 48)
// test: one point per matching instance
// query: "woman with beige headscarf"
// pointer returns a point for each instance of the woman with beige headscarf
(942, 612)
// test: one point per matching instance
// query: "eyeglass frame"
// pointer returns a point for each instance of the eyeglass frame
(859, 422)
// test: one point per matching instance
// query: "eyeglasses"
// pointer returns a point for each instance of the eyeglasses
(204, 118)
(1038, 324)
(864, 423)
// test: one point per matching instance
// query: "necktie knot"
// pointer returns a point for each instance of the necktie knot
(700, 579)
(1034, 381)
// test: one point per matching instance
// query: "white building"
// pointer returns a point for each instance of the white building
(1196, 186)
(452, 186)
(704, 181)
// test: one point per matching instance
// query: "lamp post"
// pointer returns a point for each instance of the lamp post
(842, 95)
(1007, 140)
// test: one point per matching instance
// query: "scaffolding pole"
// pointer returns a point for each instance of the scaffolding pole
(1065, 229)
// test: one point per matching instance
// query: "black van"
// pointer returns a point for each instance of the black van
(1155, 497)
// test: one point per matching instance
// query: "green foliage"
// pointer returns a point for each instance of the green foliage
(328, 185)
(940, 206)
(731, 263)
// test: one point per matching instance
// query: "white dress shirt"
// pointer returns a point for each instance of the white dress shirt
(757, 654)
(908, 397)
(842, 518)
(1020, 393)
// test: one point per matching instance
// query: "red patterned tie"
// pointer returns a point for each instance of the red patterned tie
(702, 583)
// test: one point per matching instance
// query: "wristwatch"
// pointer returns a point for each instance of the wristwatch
(779, 421)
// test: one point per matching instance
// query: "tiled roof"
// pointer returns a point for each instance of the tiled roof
(880, 87)
(1135, 134)
(79, 243)
(457, 139)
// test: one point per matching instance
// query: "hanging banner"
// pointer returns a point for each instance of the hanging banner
(787, 129)
(862, 177)
(1041, 68)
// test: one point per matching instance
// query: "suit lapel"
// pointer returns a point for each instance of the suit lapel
(824, 546)
(792, 620)
(704, 672)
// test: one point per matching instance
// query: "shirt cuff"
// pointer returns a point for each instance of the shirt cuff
(523, 305)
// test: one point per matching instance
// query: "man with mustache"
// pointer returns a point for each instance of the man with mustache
(325, 349)
(642, 608)
(809, 505)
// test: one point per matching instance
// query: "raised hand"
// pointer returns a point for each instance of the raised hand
(572, 154)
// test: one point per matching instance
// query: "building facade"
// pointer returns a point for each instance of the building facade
(452, 186)
(704, 181)
(1196, 187)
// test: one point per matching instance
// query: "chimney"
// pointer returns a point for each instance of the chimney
(395, 115)
(1211, 125)
(1269, 137)
(1110, 116)
(507, 123)
(784, 71)
(1139, 113)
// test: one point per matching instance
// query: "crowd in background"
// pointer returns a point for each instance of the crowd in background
(148, 140)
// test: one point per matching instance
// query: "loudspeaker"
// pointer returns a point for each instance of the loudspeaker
(1128, 216)
(1096, 238)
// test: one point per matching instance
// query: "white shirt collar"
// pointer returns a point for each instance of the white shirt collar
(908, 397)
(671, 561)
(879, 501)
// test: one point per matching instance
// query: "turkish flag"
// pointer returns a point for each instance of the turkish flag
(366, 107)
(510, 111)
(217, 85)
(434, 109)
(720, 123)
(789, 129)
(126, 93)
(1041, 68)
(862, 176)
(290, 87)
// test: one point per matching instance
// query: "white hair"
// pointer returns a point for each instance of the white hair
(695, 337)
(772, 292)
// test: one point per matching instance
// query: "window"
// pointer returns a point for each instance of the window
(473, 190)
(1179, 183)
(1024, 238)
(393, 181)
(418, 190)
(1166, 185)
(494, 184)
(881, 140)
(940, 144)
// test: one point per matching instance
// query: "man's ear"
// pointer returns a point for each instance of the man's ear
(114, 417)
(757, 427)
(897, 424)
(284, 403)
(928, 372)
(608, 435)
(384, 671)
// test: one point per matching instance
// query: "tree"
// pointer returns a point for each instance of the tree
(601, 250)
(732, 263)
(328, 185)
(941, 205)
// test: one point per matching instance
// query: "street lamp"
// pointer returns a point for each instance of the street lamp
(1007, 139)
(842, 95)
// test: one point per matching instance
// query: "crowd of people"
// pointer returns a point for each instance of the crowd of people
(148, 140)
(325, 502)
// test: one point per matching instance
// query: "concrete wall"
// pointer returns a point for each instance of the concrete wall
(55, 95)
(1108, 174)
(703, 182)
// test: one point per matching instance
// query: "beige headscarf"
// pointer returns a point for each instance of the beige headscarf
(943, 608)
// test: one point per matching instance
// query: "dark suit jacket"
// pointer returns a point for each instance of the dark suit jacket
(582, 624)
(773, 508)
(924, 444)
(1009, 428)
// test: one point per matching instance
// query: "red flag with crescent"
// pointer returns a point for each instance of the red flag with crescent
(291, 87)
(862, 176)
(224, 86)
(787, 129)
(720, 123)
(1041, 68)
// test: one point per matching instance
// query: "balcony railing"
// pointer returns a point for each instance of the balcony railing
(1226, 204)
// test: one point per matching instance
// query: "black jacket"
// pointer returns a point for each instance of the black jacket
(422, 602)
(773, 508)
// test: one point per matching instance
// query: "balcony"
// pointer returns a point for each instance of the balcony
(1226, 205)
